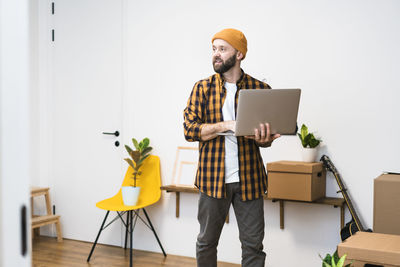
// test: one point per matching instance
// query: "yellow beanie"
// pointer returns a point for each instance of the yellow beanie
(235, 38)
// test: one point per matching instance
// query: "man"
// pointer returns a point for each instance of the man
(230, 168)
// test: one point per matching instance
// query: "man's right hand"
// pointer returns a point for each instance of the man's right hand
(209, 131)
(229, 126)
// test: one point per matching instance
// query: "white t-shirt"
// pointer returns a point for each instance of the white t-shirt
(231, 148)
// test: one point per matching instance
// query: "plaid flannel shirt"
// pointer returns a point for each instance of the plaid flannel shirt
(205, 106)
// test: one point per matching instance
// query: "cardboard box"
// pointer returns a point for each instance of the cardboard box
(371, 249)
(387, 204)
(296, 180)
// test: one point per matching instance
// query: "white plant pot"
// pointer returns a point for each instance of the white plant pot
(130, 195)
(309, 154)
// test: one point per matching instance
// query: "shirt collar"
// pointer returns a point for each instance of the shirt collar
(239, 83)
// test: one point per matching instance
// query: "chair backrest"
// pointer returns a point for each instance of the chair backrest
(149, 181)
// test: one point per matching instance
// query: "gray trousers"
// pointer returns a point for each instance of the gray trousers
(250, 218)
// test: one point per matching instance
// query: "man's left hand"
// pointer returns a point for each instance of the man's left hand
(262, 135)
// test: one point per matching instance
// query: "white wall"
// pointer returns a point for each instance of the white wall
(342, 54)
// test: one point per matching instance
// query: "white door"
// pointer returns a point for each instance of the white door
(88, 90)
(14, 134)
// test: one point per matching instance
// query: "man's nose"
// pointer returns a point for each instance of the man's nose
(216, 53)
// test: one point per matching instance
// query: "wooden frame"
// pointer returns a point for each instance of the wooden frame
(176, 178)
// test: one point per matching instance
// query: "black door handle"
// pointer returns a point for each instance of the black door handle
(24, 232)
(116, 133)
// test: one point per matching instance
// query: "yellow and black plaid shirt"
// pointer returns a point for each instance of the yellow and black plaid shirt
(205, 106)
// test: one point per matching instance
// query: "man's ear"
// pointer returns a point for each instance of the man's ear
(239, 55)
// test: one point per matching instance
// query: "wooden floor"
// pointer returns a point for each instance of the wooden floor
(70, 253)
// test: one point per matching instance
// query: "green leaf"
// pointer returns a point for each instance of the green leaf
(130, 162)
(323, 261)
(314, 143)
(142, 159)
(303, 143)
(336, 256)
(135, 155)
(128, 149)
(146, 150)
(341, 261)
(307, 140)
(327, 260)
(146, 142)
(299, 135)
(304, 131)
(138, 166)
(141, 146)
(135, 143)
(333, 264)
(301, 139)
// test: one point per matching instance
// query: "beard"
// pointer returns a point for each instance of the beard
(225, 65)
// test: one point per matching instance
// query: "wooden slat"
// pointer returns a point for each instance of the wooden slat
(38, 221)
(177, 201)
(187, 148)
(282, 214)
(174, 188)
(35, 189)
(48, 203)
(38, 191)
(59, 233)
(332, 201)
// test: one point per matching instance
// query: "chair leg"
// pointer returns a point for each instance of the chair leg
(98, 235)
(154, 231)
(126, 228)
(130, 241)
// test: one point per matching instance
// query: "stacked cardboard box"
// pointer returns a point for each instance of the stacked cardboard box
(387, 204)
(296, 180)
(371, 249)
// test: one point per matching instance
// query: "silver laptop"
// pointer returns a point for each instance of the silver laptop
(278, 107)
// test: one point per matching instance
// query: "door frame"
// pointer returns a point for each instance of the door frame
(15, 153)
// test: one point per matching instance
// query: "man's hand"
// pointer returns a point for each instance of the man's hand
(209, 131)
(229, 125)
(262, 136)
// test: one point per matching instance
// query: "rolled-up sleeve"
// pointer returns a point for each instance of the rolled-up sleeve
(193, 114)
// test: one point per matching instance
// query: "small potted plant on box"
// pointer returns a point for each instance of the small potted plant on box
(309, 143)
(130, 194)
(334, 260)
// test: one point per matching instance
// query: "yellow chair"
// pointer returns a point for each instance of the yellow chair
(149, 182)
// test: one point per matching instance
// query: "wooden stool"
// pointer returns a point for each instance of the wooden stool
(38, 221)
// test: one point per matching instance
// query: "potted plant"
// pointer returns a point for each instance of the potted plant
(334, 260)
(130, 194)
(309, 143)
